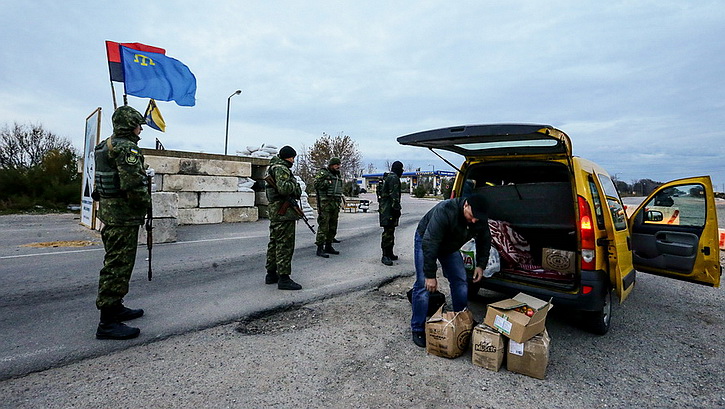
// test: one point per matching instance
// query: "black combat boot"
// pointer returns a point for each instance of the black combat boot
(271, 277)
(321, 252)
(124, 313)
(286, 283)
(386, 259)
(391, 255)
(335, 241)
(111, 328)
(330, 250)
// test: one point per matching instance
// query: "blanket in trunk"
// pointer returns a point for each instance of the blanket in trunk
(515, 252)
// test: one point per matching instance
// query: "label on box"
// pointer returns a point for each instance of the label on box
(502, 324)
(516, 348)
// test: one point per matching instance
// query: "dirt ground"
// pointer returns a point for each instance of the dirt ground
(355, 351)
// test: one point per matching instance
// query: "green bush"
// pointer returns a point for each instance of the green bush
(420, 191)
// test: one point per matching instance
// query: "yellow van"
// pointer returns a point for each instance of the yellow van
(559, 223)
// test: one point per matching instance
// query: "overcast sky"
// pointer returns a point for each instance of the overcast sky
(639, 86)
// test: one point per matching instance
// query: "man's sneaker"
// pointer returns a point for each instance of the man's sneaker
(126, 314)
(116, 330)
(419, 338)
(271, 277)
(286, 283)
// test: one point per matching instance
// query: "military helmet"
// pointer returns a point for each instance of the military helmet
(126, 118)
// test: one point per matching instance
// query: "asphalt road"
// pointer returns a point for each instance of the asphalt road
(212, 275)
(319, 349)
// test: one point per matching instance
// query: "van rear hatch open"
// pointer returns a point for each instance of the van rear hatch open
(494, 140)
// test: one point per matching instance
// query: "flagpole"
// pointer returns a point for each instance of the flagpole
(113, 94)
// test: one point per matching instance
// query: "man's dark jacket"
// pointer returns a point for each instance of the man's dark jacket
(445, 230)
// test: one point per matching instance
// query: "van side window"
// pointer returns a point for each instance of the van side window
(619, 217)
(598, 212)
(682, 205)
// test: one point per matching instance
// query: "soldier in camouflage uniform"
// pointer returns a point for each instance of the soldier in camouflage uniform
(121, 187)
(282, 219)
(389, 208)
(328, 185)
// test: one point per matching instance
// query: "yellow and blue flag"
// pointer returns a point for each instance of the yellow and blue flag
(154, 118)
(154, 75)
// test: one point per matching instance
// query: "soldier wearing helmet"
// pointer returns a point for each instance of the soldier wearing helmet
(121, 188)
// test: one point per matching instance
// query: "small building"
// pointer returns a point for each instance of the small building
(370, 181)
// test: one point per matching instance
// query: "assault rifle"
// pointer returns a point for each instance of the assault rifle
(290, 202)
(149, 223)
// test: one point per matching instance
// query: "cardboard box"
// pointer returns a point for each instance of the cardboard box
(447, 333)
(516, 325)
(531, 357)
(559, 260)
(489, 347)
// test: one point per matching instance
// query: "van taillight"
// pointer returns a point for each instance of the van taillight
(586, 229)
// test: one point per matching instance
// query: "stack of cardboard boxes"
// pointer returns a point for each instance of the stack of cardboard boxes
(514, 331)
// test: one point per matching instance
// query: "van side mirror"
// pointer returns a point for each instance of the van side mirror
(653, 216)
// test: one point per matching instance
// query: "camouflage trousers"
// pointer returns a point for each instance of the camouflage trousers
(281, 246)
(327, 218)
(120, 243)
(388, 237)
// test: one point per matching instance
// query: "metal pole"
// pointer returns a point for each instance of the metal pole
(226, 137)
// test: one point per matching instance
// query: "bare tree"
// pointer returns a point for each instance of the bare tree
(371, 168)
(341, 146)
(25, 146)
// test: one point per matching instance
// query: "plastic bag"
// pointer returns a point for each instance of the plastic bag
(494, 263)
(468, 252)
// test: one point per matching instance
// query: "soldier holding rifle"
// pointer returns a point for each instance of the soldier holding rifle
(282, 191)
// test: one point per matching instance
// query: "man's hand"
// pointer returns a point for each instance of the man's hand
(477, 274)
(431, 284)
(150, 172)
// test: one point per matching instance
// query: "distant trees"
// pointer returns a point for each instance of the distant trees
(37, 169)
(309, 161)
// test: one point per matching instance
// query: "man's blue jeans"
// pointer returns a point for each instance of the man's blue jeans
(453, 270)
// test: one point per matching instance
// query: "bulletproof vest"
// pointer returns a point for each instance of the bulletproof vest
(381, 184)
(334, 188)
(108, 182)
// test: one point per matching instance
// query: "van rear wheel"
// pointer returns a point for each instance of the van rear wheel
(598, 322)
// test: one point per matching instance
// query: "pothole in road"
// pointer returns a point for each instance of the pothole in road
(293, 318)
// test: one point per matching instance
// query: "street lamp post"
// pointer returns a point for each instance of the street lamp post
(226, 138)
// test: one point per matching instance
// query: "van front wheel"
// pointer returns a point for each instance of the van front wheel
(598, 322)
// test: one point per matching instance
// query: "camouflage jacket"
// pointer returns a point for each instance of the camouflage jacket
(280, 171)
(389, 200)
(328, 185)
(120, 156)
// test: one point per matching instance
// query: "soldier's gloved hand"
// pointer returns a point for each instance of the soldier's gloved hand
(150, 172)
(395, 213)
